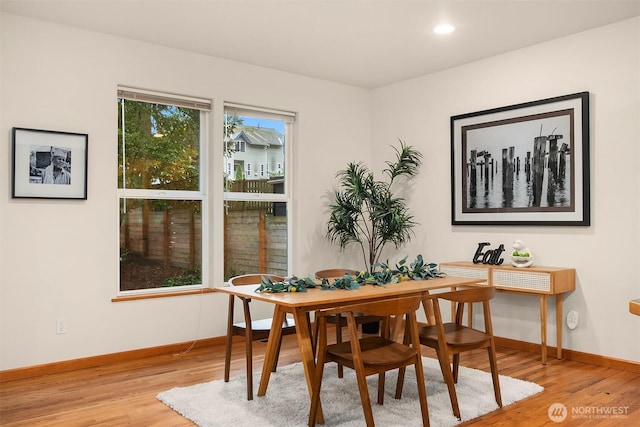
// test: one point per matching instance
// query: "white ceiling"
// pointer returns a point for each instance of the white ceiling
(366, 43)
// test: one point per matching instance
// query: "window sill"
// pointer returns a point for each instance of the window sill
(162, 295)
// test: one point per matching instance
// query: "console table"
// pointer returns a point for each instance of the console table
(534, 280)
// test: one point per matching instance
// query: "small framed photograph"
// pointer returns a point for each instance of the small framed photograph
(524, 164)
(49, 164)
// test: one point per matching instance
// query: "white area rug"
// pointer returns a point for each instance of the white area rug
(220, 404)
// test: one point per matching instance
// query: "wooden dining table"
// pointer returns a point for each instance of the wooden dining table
(300, 304)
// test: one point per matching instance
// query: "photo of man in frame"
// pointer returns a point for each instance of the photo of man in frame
(50, 165)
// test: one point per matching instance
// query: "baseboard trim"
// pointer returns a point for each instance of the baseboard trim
(105, 359)
(573, 355)
(124, 356)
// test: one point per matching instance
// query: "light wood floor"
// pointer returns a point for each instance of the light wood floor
(124, 393)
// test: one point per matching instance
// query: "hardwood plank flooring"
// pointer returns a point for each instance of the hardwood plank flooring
(125, 393)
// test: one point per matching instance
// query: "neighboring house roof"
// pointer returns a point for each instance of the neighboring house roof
(258, 136)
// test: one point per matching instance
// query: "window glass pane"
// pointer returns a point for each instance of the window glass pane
(160, 243)
(158, 146)
(256, 149)
(255, 238)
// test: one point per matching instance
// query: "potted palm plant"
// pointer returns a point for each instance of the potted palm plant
(366, 211)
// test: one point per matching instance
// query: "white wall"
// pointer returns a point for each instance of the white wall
(60, 78)
(605, 62)
(59, 258)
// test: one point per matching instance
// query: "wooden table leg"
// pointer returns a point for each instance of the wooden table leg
(427, 306)
(272, 349)
(307, 354)
(559, 326)
(543, 327)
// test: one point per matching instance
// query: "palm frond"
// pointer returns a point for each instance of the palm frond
(408, 162)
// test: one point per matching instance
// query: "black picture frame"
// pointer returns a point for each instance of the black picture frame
(523, 164)
(49, 164)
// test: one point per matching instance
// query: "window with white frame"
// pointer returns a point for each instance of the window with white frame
(161, 175)
(257, 224)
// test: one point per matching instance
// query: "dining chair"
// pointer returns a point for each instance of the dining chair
(339, 320)
(371, 355)
(251, 330)
(450, 339)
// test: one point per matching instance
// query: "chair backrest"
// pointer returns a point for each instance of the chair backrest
(395, 306)
(475, 294)
(253, 279)
(247, 279)
(335, 273)
(482, 294)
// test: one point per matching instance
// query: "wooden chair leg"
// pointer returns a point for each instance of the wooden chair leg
(400, 383)
(456, 367)
(227, 354)
(494, 375)
(364, 398)
(381, 382)
(317, 380)
(339, 340)
(422, 394)
(249, 363)
(412, 332)
(227, 358)
(384, 327)
(249, 349)
(445, 367)
(359, 369)
(406, 339)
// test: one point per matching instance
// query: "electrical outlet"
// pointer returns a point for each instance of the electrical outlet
(573, 319)
(61, 326)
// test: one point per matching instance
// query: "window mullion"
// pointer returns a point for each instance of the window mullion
(160, 194)
(253, 197)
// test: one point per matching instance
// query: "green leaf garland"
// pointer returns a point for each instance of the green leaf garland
(382, 275)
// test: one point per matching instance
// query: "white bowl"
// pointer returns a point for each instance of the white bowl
(521, 261)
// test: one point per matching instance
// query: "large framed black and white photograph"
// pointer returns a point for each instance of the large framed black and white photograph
(49, 164)
(524, 164)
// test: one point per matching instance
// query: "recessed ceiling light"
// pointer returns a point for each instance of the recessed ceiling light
(443, 29)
